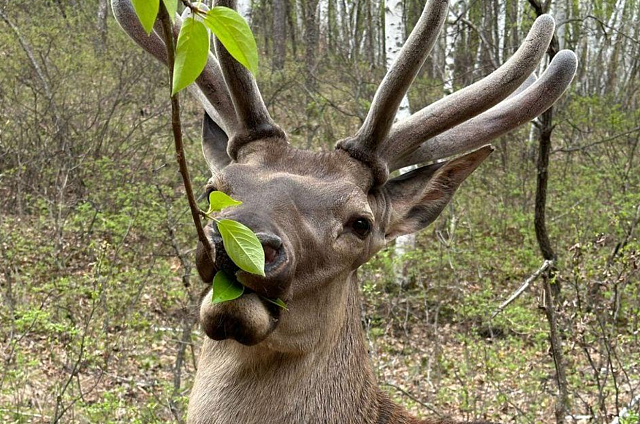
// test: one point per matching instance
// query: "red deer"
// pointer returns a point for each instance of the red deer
(320, 215)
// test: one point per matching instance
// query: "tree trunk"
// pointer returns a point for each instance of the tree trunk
(311, 42)
(279, 34)
(551, 288)
(103, 13)
(244, 9)
(394, 39)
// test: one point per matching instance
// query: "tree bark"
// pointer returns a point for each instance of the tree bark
(279, 34)
(394, 39)
(551, 288)
(311, 42)
(101, 25)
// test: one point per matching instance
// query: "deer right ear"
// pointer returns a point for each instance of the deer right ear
(419, 196)
(214, 144)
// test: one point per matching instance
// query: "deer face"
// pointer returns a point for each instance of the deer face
(316, 220)
(321, 215)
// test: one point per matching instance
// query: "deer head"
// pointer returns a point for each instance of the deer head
(320, 215)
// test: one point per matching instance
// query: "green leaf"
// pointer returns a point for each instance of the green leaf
(235, 35)
(192, 53)
(225, 288)
(219, 201)
(147, 11)
(242, 246)
(279, 302)
(172, 8)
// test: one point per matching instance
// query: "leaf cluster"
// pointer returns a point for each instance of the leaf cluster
(192, 50)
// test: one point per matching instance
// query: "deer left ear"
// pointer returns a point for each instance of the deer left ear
(418, 197)
(214, 144)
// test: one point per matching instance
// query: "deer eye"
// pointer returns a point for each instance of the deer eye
(361, 226)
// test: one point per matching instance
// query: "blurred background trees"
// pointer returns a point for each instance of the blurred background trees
(96, 253)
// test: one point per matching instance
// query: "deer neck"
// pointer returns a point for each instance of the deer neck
(332, 382)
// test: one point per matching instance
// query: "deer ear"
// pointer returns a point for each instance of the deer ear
(419, 196)
(214, 144)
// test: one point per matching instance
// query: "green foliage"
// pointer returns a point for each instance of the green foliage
(192, 53)
(225, 288)
(172, 8)
(242, 246)
(219, 201)
(235, 35)
(240, 243)
(147, 11)
(632, 417)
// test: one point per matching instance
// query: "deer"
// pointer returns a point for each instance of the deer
(321, 215)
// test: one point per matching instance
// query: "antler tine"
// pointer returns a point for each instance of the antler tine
(211, 90)
(531, 79)
(502, 118)
(253, 116)
(394, 86)
(472, 100)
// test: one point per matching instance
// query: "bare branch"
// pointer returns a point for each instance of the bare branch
(596, 143)
(533, 277)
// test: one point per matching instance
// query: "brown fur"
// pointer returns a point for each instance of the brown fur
(312, 365)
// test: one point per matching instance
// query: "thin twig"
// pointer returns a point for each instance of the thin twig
(409, 395)
(545, 265)
(177, 130)
(595, 143)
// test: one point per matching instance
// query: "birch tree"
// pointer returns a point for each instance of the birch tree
(244, 8)
(394, 39)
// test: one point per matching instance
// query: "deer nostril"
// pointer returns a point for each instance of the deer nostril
(271, 245)
(270, 240)
(270, 254)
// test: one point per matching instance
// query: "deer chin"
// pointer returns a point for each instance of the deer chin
(247, 320)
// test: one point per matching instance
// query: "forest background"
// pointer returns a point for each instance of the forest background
(97, 279)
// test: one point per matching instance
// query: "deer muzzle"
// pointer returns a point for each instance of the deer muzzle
(278, 265)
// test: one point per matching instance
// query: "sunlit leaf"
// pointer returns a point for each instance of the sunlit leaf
(172, 8)
(242, 246)
(147, 11)
(225, 288)
(192, 52)
(219, 201)
(235, 35)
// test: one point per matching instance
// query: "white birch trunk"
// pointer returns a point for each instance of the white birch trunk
(449, 48)
(394, 39)
(615, 21)
(560, 14)
(244, 9)
(323, 17)
(502, 30)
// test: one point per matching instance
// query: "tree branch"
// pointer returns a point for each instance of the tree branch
(176, 125)
(545, 265)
